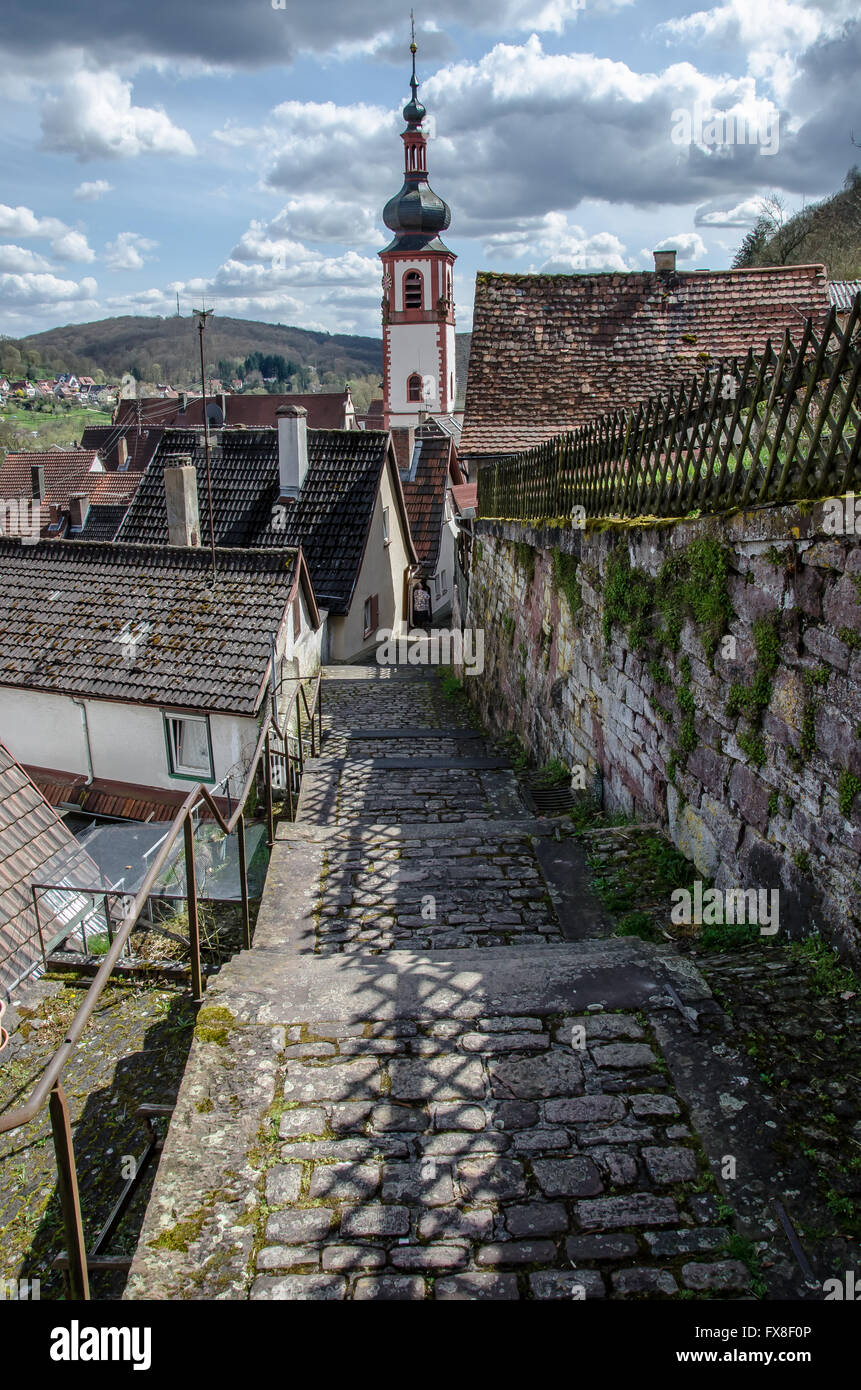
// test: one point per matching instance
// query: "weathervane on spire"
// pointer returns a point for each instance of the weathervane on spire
(413, 50)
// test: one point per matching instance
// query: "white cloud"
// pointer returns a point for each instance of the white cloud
(91, 192)
(321, 217)
(92, 117)
(689, 245)
(557, 245)
(772, 35)
(67, 243)
(37, 291)
(741, 214)
(18, 259)
(128, 252)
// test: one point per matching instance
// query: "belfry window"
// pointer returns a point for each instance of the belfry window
(414, 388)
(412, 290)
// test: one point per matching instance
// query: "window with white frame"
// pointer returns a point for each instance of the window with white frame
(189, 746)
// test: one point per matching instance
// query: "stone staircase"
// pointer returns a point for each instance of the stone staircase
(435, 1075)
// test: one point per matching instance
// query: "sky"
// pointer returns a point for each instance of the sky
(240, 151)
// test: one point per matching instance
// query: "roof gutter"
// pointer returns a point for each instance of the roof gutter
(82, 707)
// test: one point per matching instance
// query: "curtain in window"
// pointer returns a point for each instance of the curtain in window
(192, 745)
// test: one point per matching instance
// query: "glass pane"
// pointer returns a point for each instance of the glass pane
(192, 745)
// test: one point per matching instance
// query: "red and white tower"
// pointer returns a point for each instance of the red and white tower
(418, 301)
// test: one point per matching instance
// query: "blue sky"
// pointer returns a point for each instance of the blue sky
(243, 152)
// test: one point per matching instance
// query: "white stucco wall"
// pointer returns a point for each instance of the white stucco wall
(382, 573)
(445, 565)
(127, 741)
(414, 349)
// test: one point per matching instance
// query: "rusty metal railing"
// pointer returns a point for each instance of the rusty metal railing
(49, 1087)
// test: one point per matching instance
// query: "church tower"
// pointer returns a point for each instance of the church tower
(418, 302)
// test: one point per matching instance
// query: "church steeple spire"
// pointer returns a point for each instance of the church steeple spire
(418, 304)
(416, 215)
(414, 112)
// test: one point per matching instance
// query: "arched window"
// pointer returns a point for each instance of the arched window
(412, 290)
(414, 388)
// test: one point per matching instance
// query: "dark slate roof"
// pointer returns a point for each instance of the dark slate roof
(35, 847)
(64, 607)
(551, 352)
(843, 292)
(330, 520)
(102, 523)
(325, 409)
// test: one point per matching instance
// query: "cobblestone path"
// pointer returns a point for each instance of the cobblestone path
(434, 1075)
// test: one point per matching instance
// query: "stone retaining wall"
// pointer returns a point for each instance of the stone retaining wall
(758, 798)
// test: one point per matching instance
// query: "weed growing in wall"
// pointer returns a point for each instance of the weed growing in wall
(565, 580)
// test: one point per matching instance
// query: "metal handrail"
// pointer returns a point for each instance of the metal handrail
(49, 1087)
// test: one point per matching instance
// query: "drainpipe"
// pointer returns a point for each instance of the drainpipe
(82, 707)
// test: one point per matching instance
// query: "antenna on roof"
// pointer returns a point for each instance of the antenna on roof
(177, 304)
(202, 315)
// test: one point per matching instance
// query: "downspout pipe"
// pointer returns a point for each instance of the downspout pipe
(82, 707)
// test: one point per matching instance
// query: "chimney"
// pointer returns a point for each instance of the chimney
(665, 262)
(183, 402)
(79, 510)
(122, 453)
(37, 481)
(292, 448)
(222, 401)
(183, 517)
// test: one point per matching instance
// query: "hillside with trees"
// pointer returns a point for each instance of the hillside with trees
(828, 232)
(166, 349)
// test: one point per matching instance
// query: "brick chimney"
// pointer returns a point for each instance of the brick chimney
(665, 262)
(183, 515)
(122, 452)
(292, 448)
(37, 481)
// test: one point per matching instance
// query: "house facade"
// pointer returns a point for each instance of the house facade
(129, 674)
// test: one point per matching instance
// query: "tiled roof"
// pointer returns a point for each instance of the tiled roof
(141, 445)
(103, 488)
(102, 523)
(551, 352)
(465, 496)
(66, 471)
(842, 293)
(127, 800)
(424, 490)
(35, 847)
(330, 520)
(65, 607)
(325, 409)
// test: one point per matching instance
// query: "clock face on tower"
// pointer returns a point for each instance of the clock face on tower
(387, 281)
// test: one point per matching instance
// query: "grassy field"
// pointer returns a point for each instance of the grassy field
(37, 429)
